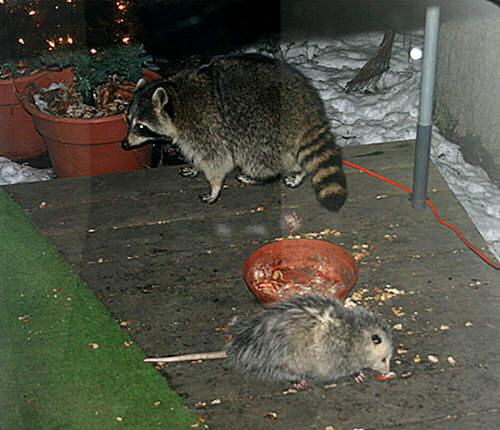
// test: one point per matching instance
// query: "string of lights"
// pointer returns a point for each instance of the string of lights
(32, 27)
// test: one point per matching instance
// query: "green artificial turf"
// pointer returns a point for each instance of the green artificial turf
(64, 361)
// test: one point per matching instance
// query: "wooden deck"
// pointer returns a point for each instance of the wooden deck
(169, 268)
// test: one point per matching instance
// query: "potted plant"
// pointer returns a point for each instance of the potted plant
(18, 136)
(80, 121)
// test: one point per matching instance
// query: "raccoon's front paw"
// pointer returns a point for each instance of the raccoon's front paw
(293, 181)
(247, 180)
(208, 198)
(188, 171)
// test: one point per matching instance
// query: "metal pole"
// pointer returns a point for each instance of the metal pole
(424, 126)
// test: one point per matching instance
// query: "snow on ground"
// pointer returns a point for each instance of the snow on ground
(389, 115)
(13, 173)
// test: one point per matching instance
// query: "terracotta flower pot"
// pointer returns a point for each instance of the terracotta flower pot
(299, 266)
(83, 147)
(18, 136)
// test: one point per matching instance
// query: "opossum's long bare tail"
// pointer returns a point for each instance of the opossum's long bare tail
(322, 159)
(188, 357)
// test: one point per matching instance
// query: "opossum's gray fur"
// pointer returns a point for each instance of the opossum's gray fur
(249, 112)
(311, 337)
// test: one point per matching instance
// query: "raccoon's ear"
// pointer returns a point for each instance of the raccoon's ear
(160, 98)
(140, 83)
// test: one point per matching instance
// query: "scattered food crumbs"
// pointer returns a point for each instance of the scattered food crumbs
(327, 387)
(444, 327)
(417, 359)
(452, 361)
(361, 254)
(468, 324)
(402, 351)
(382, 196)
(42, 205)
(290, 391)
(194, 426)
(272, 415)
(124, 323)
(93, 345)
(329, 428)
(201, 418)
(215, 402)
(433, 358)
(126, 344)
(119, 419)
(397, 311)
(91, 230)
(398, 326)
(406, 375)
(200, 404)
(156, 403)
(292, 221)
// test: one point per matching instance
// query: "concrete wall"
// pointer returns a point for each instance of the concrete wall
(467, 93)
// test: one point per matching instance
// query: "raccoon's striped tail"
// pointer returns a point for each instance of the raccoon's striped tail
(322, 159)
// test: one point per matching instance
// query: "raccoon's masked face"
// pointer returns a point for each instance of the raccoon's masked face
(148, 117)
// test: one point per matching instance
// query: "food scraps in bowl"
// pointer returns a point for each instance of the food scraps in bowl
(282, 281)
(299, 266)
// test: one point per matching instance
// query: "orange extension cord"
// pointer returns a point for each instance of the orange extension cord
(447, 224)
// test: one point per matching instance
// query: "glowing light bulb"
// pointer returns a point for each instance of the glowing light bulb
(69, 39)
(416, 53)
(21, 40)
(93, 51)
(51, 43)
(126, 39)
(32, 12)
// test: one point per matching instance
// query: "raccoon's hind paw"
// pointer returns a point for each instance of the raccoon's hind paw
(208, 198)
(248, 180)
(295, 180)
(188, 171)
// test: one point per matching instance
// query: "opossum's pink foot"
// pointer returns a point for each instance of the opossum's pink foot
(359, 377)
(300, 385)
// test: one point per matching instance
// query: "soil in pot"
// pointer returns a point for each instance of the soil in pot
(88, 146)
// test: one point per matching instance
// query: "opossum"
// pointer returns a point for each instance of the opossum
(304, 337)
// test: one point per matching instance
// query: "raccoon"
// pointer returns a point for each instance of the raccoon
(249, 112)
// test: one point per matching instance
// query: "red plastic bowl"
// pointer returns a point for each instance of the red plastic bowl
(299, 266)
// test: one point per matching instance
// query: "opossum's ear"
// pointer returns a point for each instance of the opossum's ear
(160, 98)
(376, 339)
(140, 83)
